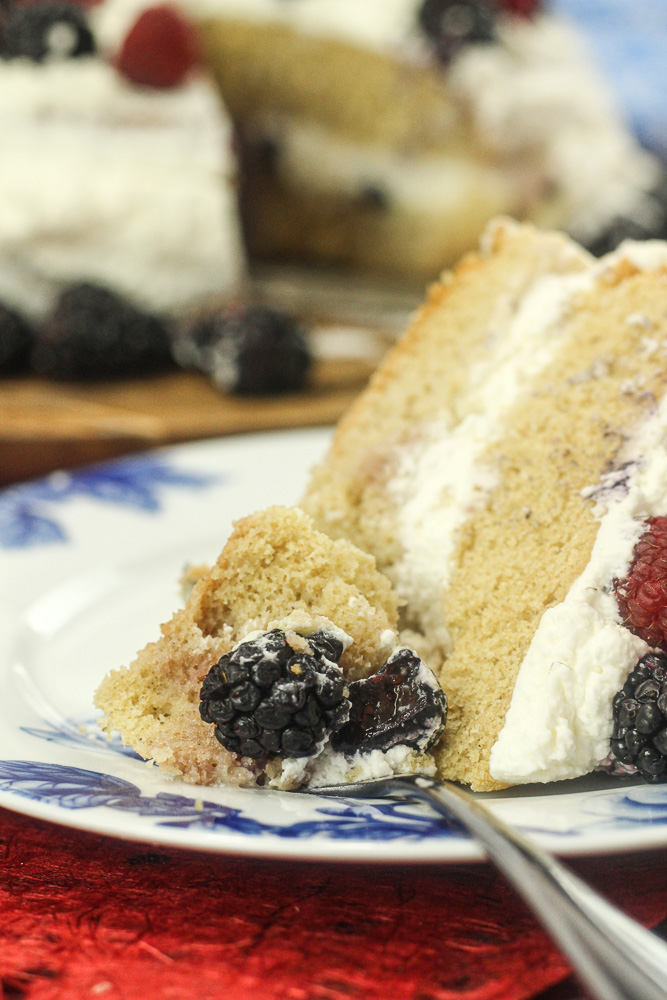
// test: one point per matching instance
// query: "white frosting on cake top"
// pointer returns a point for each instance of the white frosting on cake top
(110, 182)
(388, 26)
(539, 95)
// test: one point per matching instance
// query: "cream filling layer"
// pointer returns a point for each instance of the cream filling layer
(443, 479)
(312, 159)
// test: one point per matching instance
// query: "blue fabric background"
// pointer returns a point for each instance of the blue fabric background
(629, 40)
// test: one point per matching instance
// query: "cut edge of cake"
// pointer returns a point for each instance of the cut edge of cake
(274, 570)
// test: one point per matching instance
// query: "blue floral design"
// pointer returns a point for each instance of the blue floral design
(85, 735)
(351, 819)
(76, 788)
(639, 805)
(134, 482)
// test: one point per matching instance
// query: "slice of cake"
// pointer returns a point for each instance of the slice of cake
(385, 133)
(502, 466)
(506, 470)
(276, 577)
(118, 168)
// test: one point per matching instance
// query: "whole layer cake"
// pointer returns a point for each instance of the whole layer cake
(385, 133)
(109, 176)
(506, 472)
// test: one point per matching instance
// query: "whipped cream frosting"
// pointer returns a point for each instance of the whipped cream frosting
(315, 159)
(330, 768)
(109, 182)
(387, 26)
(538, 97)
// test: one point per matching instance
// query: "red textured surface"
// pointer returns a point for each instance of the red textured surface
(83, 916)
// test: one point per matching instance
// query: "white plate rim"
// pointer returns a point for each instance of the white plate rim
(603, 832)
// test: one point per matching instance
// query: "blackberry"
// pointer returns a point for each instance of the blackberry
(651, 225)
(15, 340)
(639, 738)
(374, 197)
(252, 352)
(266, 699)
(451, 24)
(47, 29)
(402, 703)
(95, 333)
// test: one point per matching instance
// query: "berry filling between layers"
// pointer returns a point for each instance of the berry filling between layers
(280, 699)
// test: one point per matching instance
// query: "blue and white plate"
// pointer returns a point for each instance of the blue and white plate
(89, 563)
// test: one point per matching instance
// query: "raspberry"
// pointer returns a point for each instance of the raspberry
(402, 703)
(159, 50)
(639, 739)
(45, 30)
(522, 8)
(451, 24)
(94, 333)
(642, 595)
(266, 699)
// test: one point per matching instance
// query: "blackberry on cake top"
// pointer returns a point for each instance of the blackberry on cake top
(46, 30)
(452, 24)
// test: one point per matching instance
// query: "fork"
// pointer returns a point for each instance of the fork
(613, 956)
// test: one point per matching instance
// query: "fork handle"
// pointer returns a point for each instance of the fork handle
(615, 958)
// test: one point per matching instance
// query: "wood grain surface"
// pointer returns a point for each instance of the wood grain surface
(49, 425)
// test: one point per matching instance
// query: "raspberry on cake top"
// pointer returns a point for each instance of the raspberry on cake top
(127, 184)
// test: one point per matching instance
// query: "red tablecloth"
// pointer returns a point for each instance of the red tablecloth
(83, 916)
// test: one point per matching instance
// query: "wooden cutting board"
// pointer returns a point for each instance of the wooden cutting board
(352, 321)
(48, 425)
